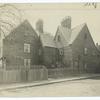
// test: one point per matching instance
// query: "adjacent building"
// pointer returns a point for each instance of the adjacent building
(48, 49)
(79, 51)
(20, 47)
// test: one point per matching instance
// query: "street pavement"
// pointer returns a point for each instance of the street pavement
(10, 86)
(84, 87)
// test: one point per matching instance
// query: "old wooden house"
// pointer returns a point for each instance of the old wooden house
(48, 49)
(78, 47)
(70, 49)
(20, 47)
(20, 56)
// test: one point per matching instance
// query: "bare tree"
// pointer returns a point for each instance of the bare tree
(10, 17)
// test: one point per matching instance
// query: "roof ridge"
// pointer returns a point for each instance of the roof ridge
(76, 31)
(79, 25)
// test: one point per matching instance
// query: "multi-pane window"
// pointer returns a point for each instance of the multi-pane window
(85, 51)
(27, 48)
(27, 63)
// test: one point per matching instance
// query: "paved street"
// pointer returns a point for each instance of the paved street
(86, 87)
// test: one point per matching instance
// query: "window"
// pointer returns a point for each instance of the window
(27, 63)
(27, 48)
(85, 51)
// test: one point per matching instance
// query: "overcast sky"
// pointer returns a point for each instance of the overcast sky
(52, 14)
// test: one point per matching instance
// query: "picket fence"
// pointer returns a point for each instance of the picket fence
(23, 75)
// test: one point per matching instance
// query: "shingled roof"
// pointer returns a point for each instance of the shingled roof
(65, 32)
(25, 25)
(75, 32)
(70, 34)
(47, 40)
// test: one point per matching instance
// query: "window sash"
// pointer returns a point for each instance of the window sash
(27, 48)
(27, 63)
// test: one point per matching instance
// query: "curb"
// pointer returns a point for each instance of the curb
(48, 82)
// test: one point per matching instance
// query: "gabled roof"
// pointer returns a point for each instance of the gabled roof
(70, 34)
(47, 40)
(65, 32)
(75, 32)
(26, 26)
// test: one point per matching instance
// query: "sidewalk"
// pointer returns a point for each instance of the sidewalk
(46, 82)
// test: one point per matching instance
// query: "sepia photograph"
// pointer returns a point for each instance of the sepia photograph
(49, 49)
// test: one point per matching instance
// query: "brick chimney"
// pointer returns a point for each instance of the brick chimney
(39, 26)
(66, 22)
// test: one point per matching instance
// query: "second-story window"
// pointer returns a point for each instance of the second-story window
(27, 63)
(26, 48)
